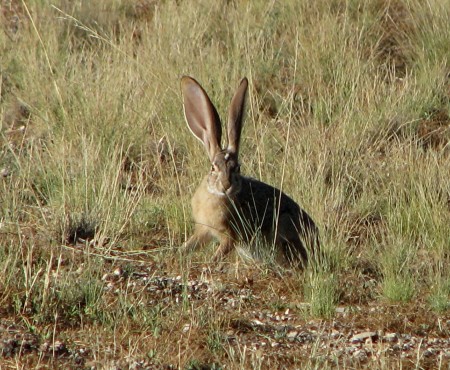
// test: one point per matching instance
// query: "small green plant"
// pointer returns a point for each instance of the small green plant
(214, 341)
(321, 286)
(439, 299)
(321, 292)
(398, 283)
(398, 288)
(321, 283)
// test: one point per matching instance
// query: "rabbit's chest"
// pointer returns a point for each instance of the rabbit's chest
(210, 210)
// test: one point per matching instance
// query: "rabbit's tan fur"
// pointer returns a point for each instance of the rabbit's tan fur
(233, 208)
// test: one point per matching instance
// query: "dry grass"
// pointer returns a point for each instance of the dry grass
(349, 100)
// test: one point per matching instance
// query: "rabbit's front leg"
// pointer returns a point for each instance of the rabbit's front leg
(200, 238)
(225, 247)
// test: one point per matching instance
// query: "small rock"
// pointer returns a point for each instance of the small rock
(390, 337)
(335, 334)
(118, 271)
(291, 335)
(406, 347)
(257, 322)
(397, 347)
(358, 338)
(305, 337)
(44, 347)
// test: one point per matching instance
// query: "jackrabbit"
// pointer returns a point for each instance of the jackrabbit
(230, 207)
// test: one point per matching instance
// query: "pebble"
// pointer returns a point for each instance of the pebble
(390, 337)
(4, 172)
(358, 338)
(291, 335)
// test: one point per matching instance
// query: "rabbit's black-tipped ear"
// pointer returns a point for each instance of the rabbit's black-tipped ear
(235, 117)
(201, 116)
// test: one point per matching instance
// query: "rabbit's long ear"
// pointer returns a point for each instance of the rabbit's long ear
(201, 116)
(235, 117)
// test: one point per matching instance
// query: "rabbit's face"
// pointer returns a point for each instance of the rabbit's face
(224, 177)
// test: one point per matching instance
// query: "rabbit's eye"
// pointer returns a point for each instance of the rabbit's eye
(212, 168)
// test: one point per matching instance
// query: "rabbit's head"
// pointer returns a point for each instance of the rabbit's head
(204, 122)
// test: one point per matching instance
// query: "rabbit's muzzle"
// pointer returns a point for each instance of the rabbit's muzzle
(224, 178)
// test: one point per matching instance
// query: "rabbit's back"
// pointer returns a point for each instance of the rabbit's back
(259, 203)
(263, 208)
